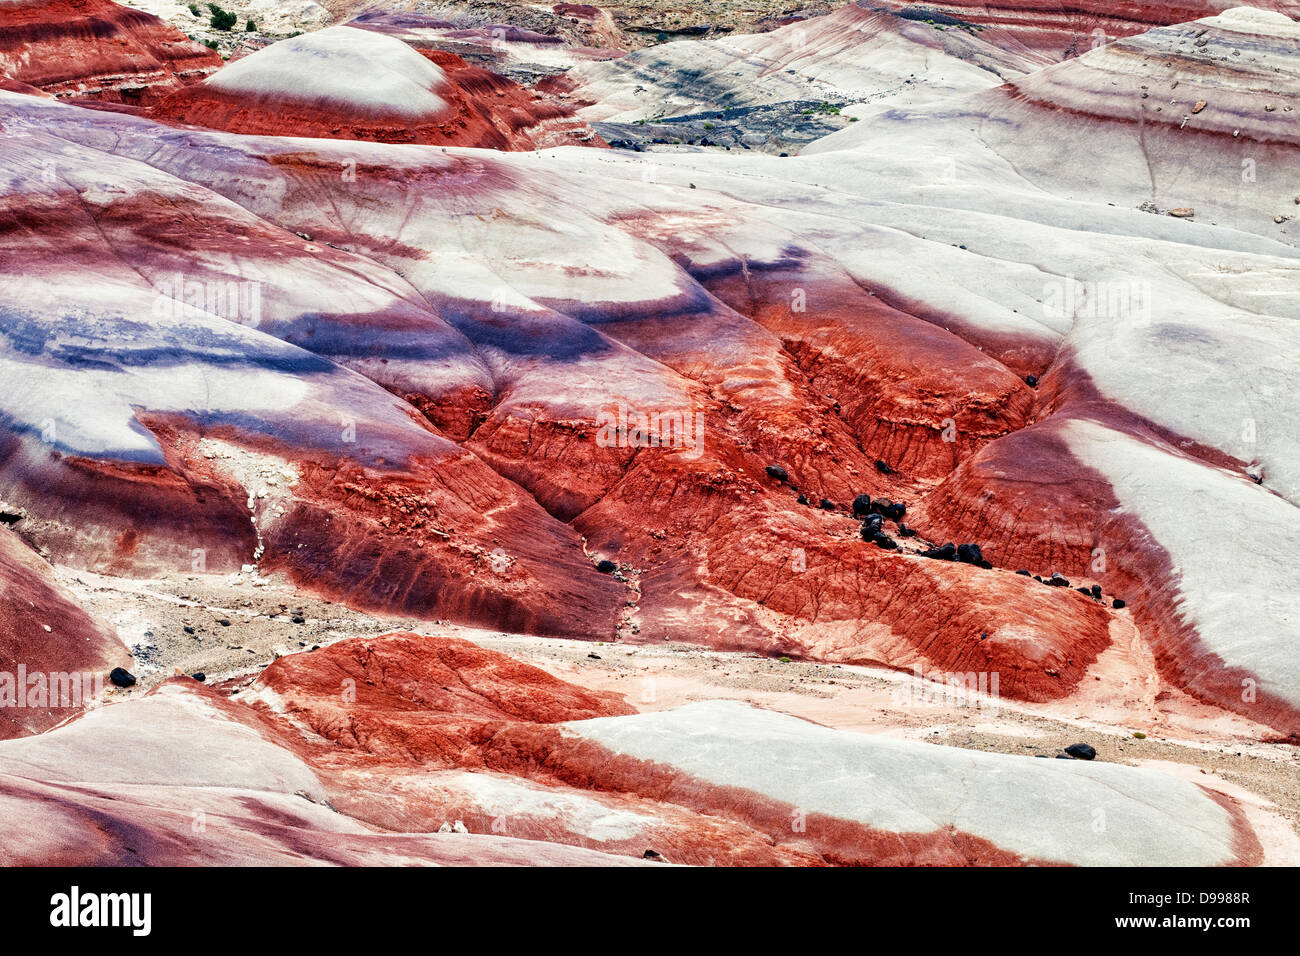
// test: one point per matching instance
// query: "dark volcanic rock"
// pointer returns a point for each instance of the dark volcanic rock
(893, 510)
(947, 552)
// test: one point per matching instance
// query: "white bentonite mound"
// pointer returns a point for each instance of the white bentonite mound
(355, 70)
(1088, 814)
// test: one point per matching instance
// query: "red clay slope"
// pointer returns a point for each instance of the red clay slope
(433, 699)
(44, 632)
(95, 49)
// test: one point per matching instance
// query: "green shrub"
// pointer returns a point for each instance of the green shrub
(221, 19)
(251, 27)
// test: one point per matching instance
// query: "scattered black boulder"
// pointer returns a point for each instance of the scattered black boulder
(827, 505)
(121, 677)
(1057, 580)
(8, 517)
(882, 466)
(1086, 591)
(187, 629)
(594, 657)
(1081, 751)
(904, 531)
(606, 566)
(650, 855)
(893, 510)
(777, 472)
(1031, 381)
(969, 554)
(874, 522)
(1095, 591)
(946, 553)
(199, 676)
(1117, 604)
(1023, 573)
(802, 499)
(224, 622)
(299, 619)
(884, 541)
(861, 506)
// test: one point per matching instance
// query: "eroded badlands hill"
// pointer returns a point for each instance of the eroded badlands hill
(358, 753)
(721, 398)
(97, 50)
(1061, 30)
(369, 86)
